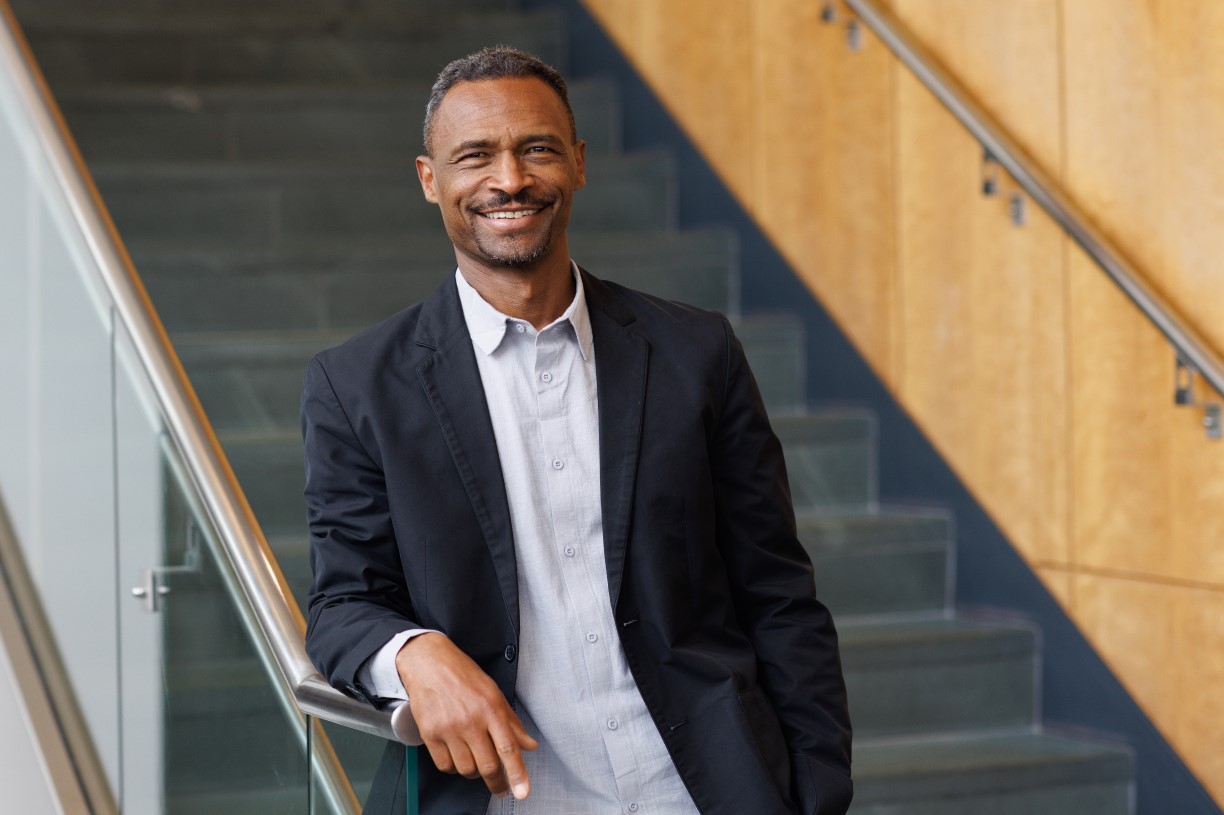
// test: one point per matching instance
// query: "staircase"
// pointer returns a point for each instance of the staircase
(259, 165)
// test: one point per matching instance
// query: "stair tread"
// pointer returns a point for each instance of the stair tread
(934, 640)
(984, 762)
(883, 528)
(834, 425)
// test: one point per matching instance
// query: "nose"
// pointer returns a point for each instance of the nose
(508, 174)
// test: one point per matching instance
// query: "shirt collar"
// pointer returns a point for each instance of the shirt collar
(487, 326)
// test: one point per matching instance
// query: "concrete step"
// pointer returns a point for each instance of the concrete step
(280, 203)
(1019, 773)
(890, 562)
(281, 121)
(774, 345)
(89, 47)
(344, 286)
(939, 676)
(830, 459)
(252, 383)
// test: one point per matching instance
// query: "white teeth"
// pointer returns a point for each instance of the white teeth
(504, 215)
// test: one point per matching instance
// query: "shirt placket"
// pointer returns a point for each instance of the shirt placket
(573, 492)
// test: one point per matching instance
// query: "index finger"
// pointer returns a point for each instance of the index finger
(509, 746)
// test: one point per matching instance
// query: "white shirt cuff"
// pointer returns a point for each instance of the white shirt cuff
(378, 674)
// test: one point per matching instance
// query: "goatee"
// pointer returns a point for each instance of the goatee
(515, 259)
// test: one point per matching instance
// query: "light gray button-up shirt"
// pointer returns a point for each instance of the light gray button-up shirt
(600, 753)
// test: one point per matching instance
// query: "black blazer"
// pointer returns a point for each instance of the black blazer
(735, 658)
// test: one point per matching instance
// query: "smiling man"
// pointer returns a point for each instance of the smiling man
(551, 513)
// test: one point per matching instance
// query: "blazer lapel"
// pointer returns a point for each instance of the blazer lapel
(621, 359)
(452, 382)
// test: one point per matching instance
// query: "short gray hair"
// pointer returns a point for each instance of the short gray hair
(495, 62)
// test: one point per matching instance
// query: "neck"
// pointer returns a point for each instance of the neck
(538, 295)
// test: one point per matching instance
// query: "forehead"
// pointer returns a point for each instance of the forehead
(493, 108)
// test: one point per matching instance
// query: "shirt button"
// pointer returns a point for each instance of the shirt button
(633, 807)
(592, 637)
(520, 328)
(558, 464)
(546, 377)
(511, 652)
(613, 724)
(569, 551)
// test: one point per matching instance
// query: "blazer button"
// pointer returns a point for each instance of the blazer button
(511, 652)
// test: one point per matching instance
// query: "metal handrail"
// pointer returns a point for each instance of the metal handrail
(1188, 343)
(271, 602)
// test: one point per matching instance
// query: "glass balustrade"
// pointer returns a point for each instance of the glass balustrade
(179, 689)
(181, 710)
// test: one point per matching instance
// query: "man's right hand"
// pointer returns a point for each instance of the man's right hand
(463, 717)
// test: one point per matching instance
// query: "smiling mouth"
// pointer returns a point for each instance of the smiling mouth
(507, 215)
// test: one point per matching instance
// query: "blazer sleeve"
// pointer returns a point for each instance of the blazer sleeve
(799, 665)
(358, 599)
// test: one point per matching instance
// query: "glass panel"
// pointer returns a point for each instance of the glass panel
(230, 745)
(185, 710)
(57, 462)
(361, 756)
(205, 726)
(412, 756)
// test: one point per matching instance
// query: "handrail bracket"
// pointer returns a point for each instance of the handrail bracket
(1183, 395)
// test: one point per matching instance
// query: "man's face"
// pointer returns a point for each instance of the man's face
(503, 171)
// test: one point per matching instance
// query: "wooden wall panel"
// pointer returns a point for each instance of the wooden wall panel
(1191, 72)
(1147, 487)
(1180, 626)
(1138, 647)
(983, 306)
(1006, 55)
(700, 59)
(1061, 583)
(1197, 731)
(823, 152)
(1121, 399)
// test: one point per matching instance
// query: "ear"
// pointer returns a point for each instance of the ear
(424, 168)
(580, 155)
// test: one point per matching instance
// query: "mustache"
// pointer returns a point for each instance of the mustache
(505, 199)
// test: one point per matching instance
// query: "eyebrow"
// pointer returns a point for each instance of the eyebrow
(533, 138)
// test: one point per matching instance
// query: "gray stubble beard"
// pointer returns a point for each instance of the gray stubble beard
(517, 260)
